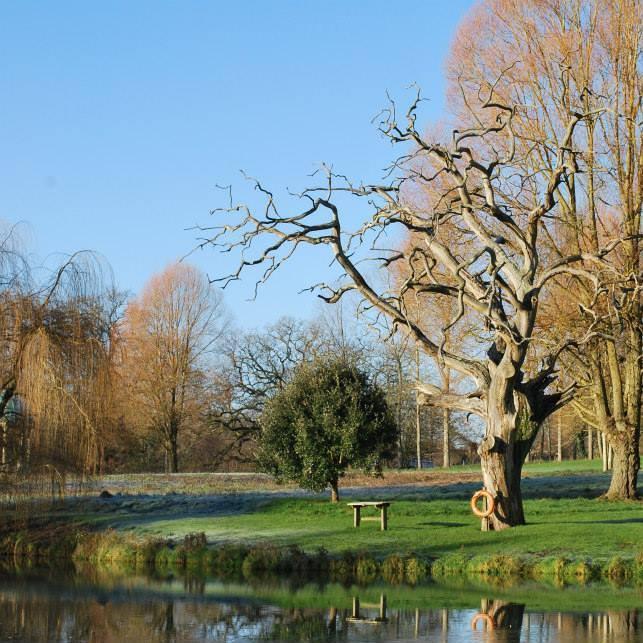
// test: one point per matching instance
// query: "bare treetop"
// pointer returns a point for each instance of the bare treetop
(501, 272)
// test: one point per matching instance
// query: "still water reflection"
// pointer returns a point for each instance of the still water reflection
(40, 608)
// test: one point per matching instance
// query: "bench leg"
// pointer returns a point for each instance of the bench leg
(356, 516)
(384, 518)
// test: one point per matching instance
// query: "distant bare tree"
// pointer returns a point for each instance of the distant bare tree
(255, 365)
(258, 363)
(169, 331)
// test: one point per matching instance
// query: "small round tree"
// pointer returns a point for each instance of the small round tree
(331, 416)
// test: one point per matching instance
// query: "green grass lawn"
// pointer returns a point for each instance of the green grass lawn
(579, 527)
(565, 517)
(554, 466)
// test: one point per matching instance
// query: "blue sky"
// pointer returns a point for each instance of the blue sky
(119, 118)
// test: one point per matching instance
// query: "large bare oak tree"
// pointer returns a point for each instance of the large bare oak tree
(496, 274)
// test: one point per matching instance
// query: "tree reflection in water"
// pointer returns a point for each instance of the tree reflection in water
(37, 612)
(501, 620)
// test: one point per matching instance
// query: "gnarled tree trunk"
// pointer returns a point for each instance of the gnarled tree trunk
(625, 463)
(513, 411)
(617, 405)
(501, 471)
(511, 429)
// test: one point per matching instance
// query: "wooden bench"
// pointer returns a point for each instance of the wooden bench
(357, 509)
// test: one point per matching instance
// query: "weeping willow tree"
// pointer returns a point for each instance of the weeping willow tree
(57, 344)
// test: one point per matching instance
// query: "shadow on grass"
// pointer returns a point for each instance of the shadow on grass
(621, 521)
(555, 487)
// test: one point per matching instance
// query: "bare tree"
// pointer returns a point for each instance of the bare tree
(169, 331)
(258, 363)
(255, 365)
(498, 275)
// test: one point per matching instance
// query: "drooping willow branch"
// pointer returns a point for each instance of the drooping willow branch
(56, 339)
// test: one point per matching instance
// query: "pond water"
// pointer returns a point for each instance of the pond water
(71, 607)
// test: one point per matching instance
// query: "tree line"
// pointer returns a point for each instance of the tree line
(96, 381)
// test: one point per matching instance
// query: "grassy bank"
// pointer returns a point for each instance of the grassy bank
(122, 554)
(566, 541)
(571, 537)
